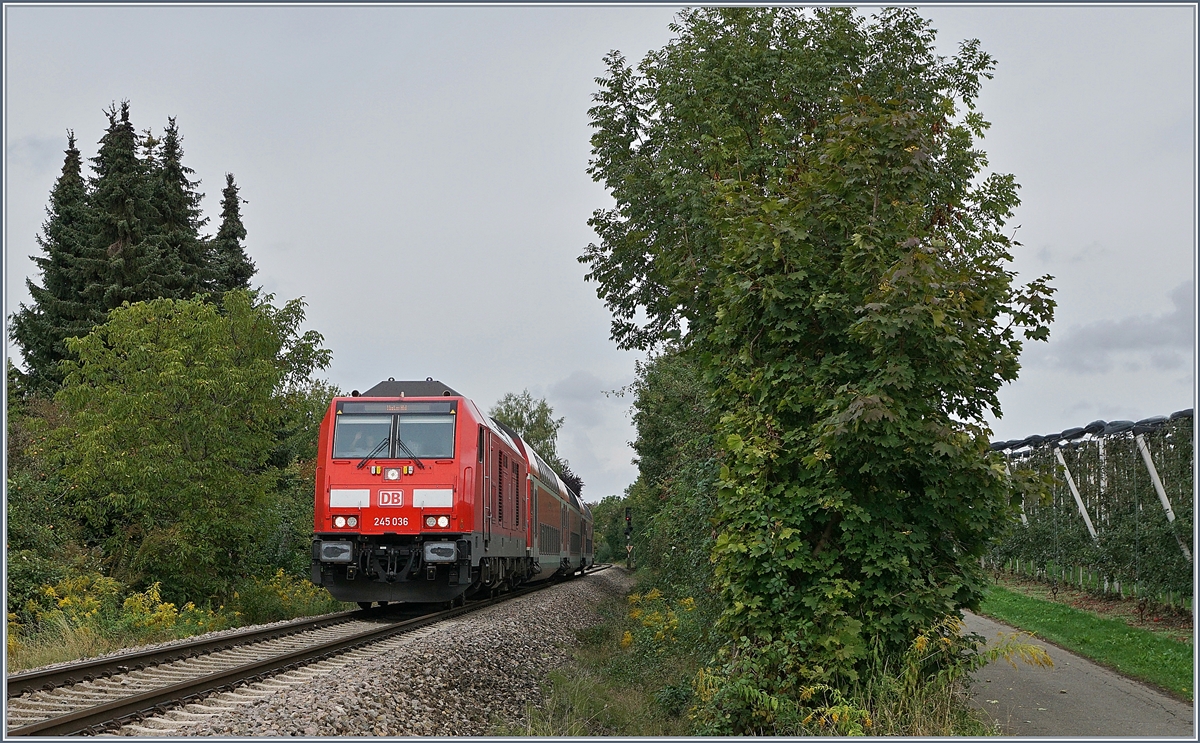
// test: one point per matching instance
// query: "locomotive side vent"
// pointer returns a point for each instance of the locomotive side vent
(500, 465)
(516, 493)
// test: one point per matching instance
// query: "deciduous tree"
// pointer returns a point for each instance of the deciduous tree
(176, 407)
(534, 420)
(800, 200)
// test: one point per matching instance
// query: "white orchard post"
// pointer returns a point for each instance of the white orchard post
(1075, 492)
(1162, 493)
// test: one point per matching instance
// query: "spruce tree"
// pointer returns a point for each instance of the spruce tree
(70, 271)
(129, 233)
(177, 229)
(125, 217)
(232, 268)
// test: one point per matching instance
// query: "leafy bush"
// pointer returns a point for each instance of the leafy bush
(43, 540)
(147, 612)
(674, 699)
(282, 596)
(657, 621)
(674, 498)
(88, 613)
(176, 409)
(920, 692)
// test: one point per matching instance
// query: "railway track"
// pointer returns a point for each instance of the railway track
(95, 696)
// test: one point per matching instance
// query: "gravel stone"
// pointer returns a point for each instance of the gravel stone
(457, 678)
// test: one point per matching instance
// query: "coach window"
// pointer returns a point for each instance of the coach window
(359, 435)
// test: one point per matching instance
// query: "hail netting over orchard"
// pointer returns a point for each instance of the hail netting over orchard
(129, 233)
(801, 202)
(1118, 515)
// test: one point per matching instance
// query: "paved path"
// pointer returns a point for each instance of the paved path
(1075, 698)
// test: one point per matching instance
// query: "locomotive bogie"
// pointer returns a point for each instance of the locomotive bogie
(421, 498)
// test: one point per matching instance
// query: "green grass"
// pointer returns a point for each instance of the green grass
(625, 681)
(1134, 652)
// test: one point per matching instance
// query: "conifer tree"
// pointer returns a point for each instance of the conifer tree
(70, 271)
(129, 233)
(125, 217)
(179, 220)
(232, 268)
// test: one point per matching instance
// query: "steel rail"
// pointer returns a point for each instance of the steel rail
(119, 711)
(50, 678)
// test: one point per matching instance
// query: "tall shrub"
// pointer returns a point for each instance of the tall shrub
(176, 407)
(800, 200)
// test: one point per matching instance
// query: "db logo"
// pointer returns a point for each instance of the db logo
(391, 497)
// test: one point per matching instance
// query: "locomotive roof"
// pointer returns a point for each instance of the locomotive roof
(432, 388)
(415, 388)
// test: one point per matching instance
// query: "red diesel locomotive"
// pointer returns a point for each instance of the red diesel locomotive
(420, 497)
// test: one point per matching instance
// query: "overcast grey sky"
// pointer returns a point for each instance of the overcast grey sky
(417, 174)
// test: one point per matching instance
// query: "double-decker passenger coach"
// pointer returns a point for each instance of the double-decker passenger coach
(420, 497)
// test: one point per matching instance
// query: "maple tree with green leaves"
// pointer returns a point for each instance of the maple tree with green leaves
(802, 207)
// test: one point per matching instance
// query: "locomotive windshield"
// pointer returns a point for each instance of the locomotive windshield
(430, 436)
(425, 436)
(358, 435)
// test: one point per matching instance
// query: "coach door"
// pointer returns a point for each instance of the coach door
(564, 525)
(534, 538)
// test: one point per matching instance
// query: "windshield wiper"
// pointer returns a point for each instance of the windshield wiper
(374, 451)
(404, 446)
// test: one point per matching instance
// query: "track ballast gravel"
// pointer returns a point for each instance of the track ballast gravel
(455, 678)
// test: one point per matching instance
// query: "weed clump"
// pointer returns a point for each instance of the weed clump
(651, 668)
(88, 614)
(923, 692)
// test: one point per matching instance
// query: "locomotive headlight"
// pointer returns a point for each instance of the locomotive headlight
(443, 521)
(391, 473)
(352, 521)
(430, 521)
(339, 521)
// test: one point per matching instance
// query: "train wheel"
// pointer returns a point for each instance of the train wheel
(364, 604)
